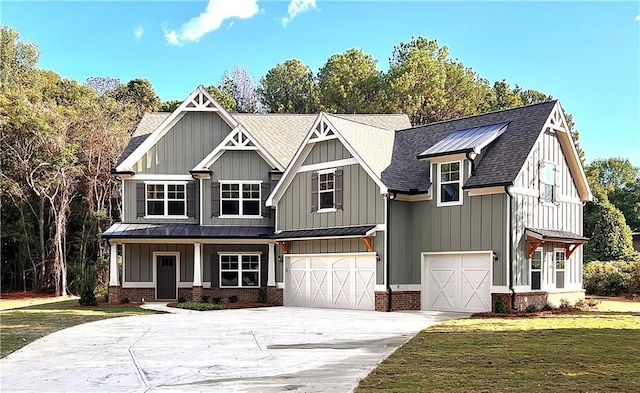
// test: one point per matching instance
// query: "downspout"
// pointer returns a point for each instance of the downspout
(510, 243)
(388, 253)
(473, 164)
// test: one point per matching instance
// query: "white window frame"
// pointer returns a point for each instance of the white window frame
(531, 269)
(241, 199)
(166, 199)
(332, 191)
(555, 266)
(239, 270)
(459, 181)
(544, 182)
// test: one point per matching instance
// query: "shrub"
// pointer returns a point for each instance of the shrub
(612, 278)
(499, 306)
(199, 306)
(233, 299)
(216, 300)
(564, 303)
(531, 308)
(262, 295)
(88, 298)
(205, 299)
(124, 300)
(182, 300)
(547, 307)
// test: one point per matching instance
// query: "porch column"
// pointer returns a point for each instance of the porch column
(197, 264)
(113, 266)
(271, 271)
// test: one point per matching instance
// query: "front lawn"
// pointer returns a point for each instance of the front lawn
(577, 352)
(22, 326)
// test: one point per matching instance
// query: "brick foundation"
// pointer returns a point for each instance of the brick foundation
(135, 295)
(400, 300)
(275, 296)
(538, 299)
(196, 293)
(114, 294)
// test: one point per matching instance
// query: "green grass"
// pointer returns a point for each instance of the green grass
(577, 352)
(22, 326)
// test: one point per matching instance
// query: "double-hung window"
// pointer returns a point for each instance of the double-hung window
(561, 260)
(536, 269)
(166, 199)
(450, 187)
(239, 270)
(240, 199)
(326, 189)
(547, 182)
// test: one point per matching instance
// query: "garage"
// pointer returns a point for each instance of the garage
(458, 282)
(330, 280)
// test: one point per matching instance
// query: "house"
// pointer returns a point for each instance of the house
(351, 211)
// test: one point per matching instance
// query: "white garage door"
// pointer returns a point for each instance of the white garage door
(330, 281)
(457, 282)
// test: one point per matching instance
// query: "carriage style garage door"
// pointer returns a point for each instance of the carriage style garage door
(330, 280)
(457, 282)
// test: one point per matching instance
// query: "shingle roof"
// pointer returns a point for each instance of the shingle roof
(500, 164)
(183, 231)
(148, 123)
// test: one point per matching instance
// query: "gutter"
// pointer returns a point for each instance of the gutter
(510, 243)
(388, 253)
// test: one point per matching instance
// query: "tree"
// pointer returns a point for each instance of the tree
(290, 88)
(505, 96)
(102, 85)
(610, 237)
(169, 106)
(225, 99)
(241, 87)
(350, 83)
(138, 96)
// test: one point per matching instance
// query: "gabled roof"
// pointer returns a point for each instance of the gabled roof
(500, 164)
(148, 124)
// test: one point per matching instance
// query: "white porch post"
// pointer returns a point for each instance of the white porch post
(197, 264)
(271, 271)
(113, 265)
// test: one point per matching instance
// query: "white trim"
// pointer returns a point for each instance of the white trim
(530, 268)
(197, 264)
(200, 201)
(271, 266)
(429, 253)
(240, 270)
(568, 199)
(194, 240)
(406, 287)
(280, 285)
(156, 254)
(485, 191)
(385, 239)
(161, 178)
(439, 202)
(122, 202)
(328, 164)
(241, 199)
(201, 99)
(445, 159)
(324, 254)
(327, 210)
(139, 284)
(524, 191)
(113, 265)
(331, 190)
(380, 288)
(165, 200)
(500, 289)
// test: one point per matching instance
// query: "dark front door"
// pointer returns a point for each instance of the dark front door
(166, 271)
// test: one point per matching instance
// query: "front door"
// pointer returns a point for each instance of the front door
(166, 274)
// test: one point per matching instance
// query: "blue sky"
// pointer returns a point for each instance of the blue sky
(587, 54)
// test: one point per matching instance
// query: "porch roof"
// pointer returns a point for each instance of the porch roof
(186, 231)
(352, 231)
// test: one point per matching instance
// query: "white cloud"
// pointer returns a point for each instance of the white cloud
(209, 20)
(138, 32)
(297, 7)
(638, 18)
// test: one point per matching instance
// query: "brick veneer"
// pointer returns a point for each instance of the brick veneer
(274, 295)
(523, 299)
(114, 294)
(400, 300)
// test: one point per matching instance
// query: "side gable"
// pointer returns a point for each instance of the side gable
(198, 101)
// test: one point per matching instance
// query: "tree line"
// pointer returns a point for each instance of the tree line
(60, 138)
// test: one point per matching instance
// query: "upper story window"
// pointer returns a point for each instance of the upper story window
(240, 199)
(326, 190)
(450, 188)
(547, 182)
(326, 187)
(166, 199)
(239, 270)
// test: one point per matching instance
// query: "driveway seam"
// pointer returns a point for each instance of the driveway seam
(135, 362)
(256, 340)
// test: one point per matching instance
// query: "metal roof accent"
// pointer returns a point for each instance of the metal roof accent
(360, 230)
(555, 235)
(185, 231)
(464, 141)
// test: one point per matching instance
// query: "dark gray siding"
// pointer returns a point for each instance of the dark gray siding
(362, 203)
(138, 265)
(236, 165)
(186, 144)
(324, 151)
(129, 205)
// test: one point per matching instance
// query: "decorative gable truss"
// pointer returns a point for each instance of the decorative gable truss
(200, 102)
(322, 131)
(238, 139)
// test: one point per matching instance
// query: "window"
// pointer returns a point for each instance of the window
(450, 190)
(560, 259)
(239, 270)
(547, 182)
(326, 187)
(536, 269)
(240, 199)
(165, 199)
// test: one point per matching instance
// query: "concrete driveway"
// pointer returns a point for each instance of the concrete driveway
(252, 350)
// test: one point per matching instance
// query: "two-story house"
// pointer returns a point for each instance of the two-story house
(350, 211)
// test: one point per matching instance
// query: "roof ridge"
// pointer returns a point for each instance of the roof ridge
(480, 114)
(357, 122)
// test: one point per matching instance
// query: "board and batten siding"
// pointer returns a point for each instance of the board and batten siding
(138, 265)
(236, 165)
(331, 150)
(211, 259)
(129, 199)
(565, 214)
(362, 203)
(186, 144)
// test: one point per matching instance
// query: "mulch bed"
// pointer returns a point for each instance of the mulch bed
(524, 314)
(237, 305)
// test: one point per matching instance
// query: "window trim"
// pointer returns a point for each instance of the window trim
(555, 267)
(439, 201)
(166, 199)
(239, 270)
(240, 199)
(542, 182)
(531, 269)
(333, 190)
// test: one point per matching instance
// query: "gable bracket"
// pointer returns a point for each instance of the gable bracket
(532, 244)
(284, 246)
(368, 241)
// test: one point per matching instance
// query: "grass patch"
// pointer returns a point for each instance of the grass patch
(23, 326)
(576, 352)
(199, 306)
